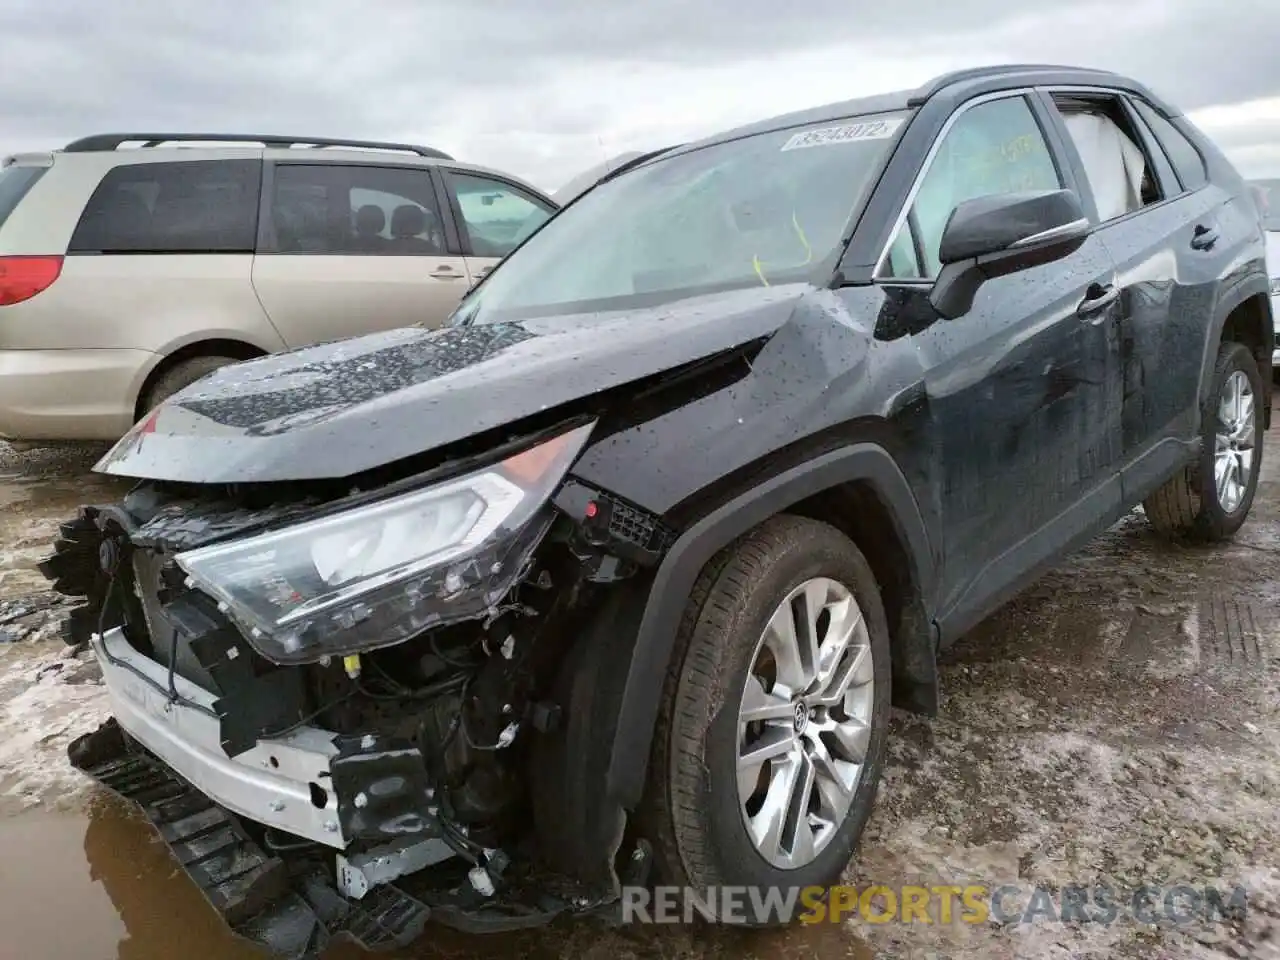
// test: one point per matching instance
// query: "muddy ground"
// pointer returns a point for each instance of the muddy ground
(1119, 724)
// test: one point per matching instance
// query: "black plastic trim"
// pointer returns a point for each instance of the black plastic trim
(628, 765)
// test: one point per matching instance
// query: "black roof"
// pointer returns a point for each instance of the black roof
(113, 141)
(972, 80)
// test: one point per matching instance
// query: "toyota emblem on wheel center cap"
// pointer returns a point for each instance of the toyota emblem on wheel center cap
(802, 717)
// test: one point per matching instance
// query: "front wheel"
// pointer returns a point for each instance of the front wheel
(1210, 499)
(772, 731)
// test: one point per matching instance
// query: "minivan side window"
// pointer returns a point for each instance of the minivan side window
(348, 209)
(992, 148)
(497, 216)
(199, 206)
(1182, 152)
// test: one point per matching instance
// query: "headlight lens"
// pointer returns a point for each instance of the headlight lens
(376, 575)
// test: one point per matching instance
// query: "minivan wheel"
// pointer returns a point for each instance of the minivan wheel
(1210, 499)
(771, 733)
(181, 375)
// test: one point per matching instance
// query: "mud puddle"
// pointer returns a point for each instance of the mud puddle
(97, 885)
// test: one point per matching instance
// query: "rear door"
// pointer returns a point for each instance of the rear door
(352, 248)
(1160, 228)
(494, 216)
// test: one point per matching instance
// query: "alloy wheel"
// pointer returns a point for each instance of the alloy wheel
(1234, 441)
(804, 722)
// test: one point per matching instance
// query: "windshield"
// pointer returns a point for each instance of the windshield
(765, 209)
(1271, 198)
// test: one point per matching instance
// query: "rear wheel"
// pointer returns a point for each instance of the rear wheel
(772, 732)
(181, 375)
(1210, 499)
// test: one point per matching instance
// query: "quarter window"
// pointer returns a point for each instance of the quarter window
(497, 217)
(199, 206)
(14, 184)
(1182, 152)
(993, 148)
(355, 209)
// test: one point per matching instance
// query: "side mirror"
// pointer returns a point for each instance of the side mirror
(1001, 234)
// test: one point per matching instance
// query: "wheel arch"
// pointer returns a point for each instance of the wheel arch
(211, 347)
(858, 488)
(1243, 314)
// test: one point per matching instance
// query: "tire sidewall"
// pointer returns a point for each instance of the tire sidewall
(733, 852)
(1213, 520)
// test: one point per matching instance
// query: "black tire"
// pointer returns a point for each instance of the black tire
(692, 813)
(180, 375)
(1187, 506)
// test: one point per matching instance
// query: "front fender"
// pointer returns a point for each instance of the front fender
(651, 654)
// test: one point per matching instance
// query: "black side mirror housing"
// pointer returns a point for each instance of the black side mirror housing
(997, 235)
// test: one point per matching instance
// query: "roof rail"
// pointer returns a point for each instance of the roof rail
(635, 162)
(995, 70)
(112, 141)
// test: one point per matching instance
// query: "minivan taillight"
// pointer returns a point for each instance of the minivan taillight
(21, 278)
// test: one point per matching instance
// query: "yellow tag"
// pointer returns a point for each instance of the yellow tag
(351, 664)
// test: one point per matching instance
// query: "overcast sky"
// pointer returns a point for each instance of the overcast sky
(545, 88)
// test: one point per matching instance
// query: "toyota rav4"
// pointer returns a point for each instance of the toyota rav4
(615, 578)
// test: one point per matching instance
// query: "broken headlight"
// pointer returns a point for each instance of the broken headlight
(380, 573)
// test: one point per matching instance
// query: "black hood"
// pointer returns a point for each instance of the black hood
(342, 408)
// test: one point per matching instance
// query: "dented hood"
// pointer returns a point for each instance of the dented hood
(341, 408)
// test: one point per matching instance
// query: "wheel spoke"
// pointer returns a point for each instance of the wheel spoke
(770, 821)
(784, 644)
(816, 597)
(854, 671)
(797, 836)
(759, 704)
(775, 744)
(853, 737)
(1222, 475)
(835, 780)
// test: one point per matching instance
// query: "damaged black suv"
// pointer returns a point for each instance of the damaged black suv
(614, 579)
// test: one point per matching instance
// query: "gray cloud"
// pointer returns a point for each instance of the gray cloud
(536, 87)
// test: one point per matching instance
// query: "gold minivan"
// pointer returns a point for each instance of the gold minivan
(131, 265)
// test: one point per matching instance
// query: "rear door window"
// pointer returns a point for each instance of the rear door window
(355, 209)
(14, 184)
(1121, 176)
(200, 206)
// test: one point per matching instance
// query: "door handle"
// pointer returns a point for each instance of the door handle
(1204, 237)
(445, 273)
(1097, 298)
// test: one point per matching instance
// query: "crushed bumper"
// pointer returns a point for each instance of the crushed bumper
(276, 783)
(291, 911)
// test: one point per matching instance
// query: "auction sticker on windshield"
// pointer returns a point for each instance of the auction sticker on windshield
(844, 133)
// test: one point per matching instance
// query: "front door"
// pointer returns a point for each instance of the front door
(350, 249)
(1021, 392)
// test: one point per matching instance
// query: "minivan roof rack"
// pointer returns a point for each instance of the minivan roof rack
(112, 141)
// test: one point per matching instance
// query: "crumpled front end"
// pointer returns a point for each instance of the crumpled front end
(338, 754)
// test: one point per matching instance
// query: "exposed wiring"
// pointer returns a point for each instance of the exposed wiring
(336, 702)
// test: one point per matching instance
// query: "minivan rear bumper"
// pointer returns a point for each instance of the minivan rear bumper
(69, 394)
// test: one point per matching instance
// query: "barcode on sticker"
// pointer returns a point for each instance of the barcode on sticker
(845, 133)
